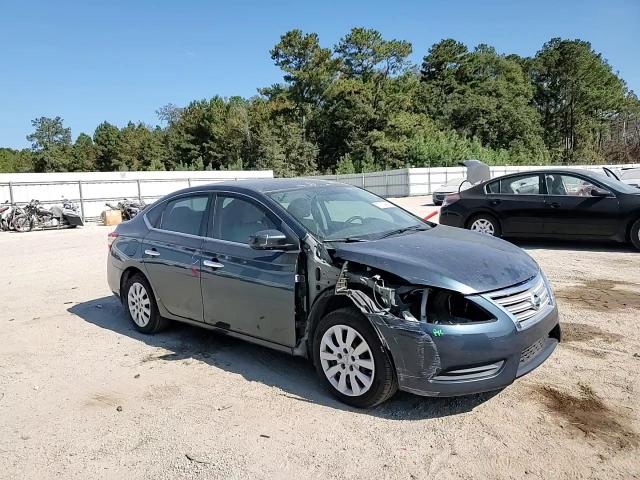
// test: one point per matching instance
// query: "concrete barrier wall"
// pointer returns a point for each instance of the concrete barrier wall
(423, 181)
(90, 190)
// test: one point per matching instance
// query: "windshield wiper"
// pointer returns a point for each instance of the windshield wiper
(415, 228)
(345, 240)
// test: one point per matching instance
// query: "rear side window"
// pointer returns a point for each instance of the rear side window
(493, 187)
(185, 214)
(524, 185)
(154, 215)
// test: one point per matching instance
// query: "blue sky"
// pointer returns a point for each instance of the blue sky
(90, 61)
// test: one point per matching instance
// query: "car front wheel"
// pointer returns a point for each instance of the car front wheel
(485, 224)
(351, 360)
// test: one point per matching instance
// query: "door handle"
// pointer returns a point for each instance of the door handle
(554, 205)
(495, 202)
(212, 264)
(152, 253)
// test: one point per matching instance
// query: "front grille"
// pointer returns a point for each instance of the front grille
(532, 351)
(527, 303)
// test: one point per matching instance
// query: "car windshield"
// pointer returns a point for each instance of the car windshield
(342, 213)
(614, 184)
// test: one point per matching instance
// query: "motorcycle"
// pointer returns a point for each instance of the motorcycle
(8, 212)
(37, 216)
(128, 208)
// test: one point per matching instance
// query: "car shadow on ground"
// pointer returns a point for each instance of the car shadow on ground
(575, 245)
(294, 376)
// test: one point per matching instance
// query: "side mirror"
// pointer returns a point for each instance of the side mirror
(270, 240)
(599, 192)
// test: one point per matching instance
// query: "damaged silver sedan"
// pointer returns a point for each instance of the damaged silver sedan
(376, 298)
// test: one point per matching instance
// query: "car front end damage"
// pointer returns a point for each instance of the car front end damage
(444, 343)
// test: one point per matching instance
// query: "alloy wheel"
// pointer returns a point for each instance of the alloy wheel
(139, 304)
(347, 360)
(484, 226)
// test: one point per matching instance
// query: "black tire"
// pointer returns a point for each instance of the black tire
(384, 384)
(23, 223)
(635, 234)
(155, 322)
(486, 217)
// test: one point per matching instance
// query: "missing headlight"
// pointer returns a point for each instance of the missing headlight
(445, 307)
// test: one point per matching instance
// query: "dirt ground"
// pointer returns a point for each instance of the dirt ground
(82, 395)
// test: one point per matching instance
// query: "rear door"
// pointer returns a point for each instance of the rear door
(245, 290)
(570, 209)
(518, 203)
(171, 254)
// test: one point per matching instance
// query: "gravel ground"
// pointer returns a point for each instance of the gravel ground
(82, 395)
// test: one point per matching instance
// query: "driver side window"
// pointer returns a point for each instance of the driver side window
(237, 219)
(568, 185)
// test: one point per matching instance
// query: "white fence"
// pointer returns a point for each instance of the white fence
(92, 189)
(406, 182)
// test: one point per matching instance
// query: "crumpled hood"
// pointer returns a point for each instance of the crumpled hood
(445, 257)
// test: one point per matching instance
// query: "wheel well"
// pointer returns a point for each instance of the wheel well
(326, 303)
(126, 275)
(632, 222)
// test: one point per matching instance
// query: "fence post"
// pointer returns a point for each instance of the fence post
(139, 195)
(81, 199)
(10, 192)
(189, 182)
(429, 180)
(386, 183)
(362, 179)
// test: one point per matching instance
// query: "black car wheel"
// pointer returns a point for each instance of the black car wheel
(485, 224)
(635, 234)
(351, 361)
(141, 306)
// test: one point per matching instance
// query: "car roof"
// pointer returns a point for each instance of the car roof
(568, 170)
(260, 185)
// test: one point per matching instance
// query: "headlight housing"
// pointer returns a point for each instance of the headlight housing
(444, 307)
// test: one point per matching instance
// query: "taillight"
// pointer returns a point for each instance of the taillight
(112, 238)
(451, 198)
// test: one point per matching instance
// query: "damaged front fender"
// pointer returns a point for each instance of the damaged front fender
(409, 342)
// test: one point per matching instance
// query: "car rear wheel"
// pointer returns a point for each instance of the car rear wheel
(485, 224)
(351, 360)
(141, 305)
(635, 234)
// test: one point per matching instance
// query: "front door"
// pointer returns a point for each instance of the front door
(245, 290)
(171, 255)
(572, 210)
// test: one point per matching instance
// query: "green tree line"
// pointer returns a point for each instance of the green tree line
(362, 105)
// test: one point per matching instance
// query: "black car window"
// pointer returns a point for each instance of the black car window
(185, 214)
(493, 187)
(523, 185)
(237, 219)
(568, 185)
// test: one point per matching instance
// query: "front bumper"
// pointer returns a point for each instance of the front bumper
(452, 360)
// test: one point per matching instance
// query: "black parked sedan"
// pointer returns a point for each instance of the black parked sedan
(562, 203)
